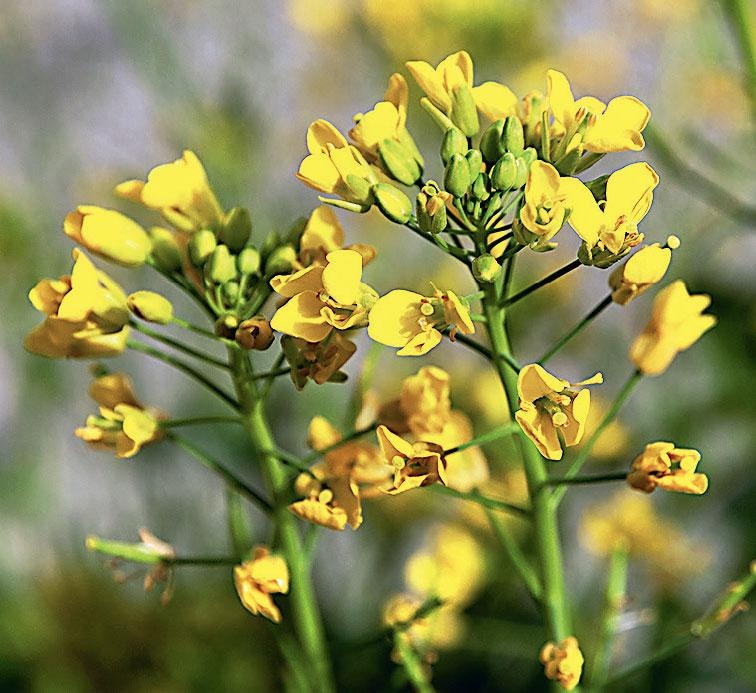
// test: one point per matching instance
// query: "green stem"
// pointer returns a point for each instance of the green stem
(592, 479)
(272, 374)
(182, 283)
(600, 307)
(184, 368)
(556, 274)
(199, 420)
(214, 466)
(239, 530)
(268, 384)
(186, 325)
(435, 240)
(741, 25)
(412, 664)
(480, 499)
(176, 344)
(616, 584)
(485, 351)
(587, 447)
(494, 434)
(138, 553)
(305, 612)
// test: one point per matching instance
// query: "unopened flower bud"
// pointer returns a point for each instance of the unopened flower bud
(151, 307)
(454, 142)
(281, 260)
(360, 189)
(165, 251)
(521, 166)
(529, 155)
(492, 142)
(254, 333)
(248, 261)
(399, 162)
(475, 162)
(480, 187)
(236, 228)
(486, 269)
(201, 246)
(514, 137)
(225, 326)
(598, 187)
(231, 291)
(457, 176)
(504, 172)
(394, 204)
(221, 267)
(464, 113)
(271, 242)
(431, 213)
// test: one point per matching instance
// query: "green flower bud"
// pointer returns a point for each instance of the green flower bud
(480, 187)
(529, 155)
(492, 142)
(296, 230)
(504, 172)
(454, 142)
(281, 260)
(394, 204)
(165, 251)
(271, 242)
(457, 175)
(598, 187)
(514, 137)
(399, 162)
(475, 162)
(360, 189)
(486, 269)
(151, 307)
(231, 291)
(201, 246)
(248, 261)
(221, 267)
(236, 228)
(522, 172)
(464, 113)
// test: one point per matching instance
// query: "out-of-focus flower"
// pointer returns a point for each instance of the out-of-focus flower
(614, 438)
(672, 469)
(442, 628)
(615, 127)
(563, 663)
(150, 306)
(644, 269)
(258, 578)
(317, 361)
(86, 314)
(546, 204)
(323, 297)
(415, 464)
(425, 400)
(550, 408)
(180, 191)
(108, 234)
(676, 324)
(408, 320)
(123, 426)
(323, 234)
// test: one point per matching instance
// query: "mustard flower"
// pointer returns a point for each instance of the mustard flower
(644, 269)
(415, 464)
(180, 191)
(563, 663)
(546, 205)
(615, 127)
(654, 467)
(408, 320)
(258, 578)
(323, 297)
(442, 628)
(550, 409)
(108, 234)
(676, 324)
(334, 166)
(612, 227)
(123, 426)
(316, 361)
(323, 234)
(86, 314)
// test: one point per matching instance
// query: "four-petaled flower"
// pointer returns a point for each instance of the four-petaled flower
(644, 269)
(672, 469)
(258, 578)
(563, 663)
(415, 464)
(546, 205)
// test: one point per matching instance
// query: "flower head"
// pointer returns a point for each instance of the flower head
(672, 469)
(323, 234)
(644, 269)
(180, 191)
(676, 324)
(550, 409)
(408, 320)
(86, 314)
(563, 663)
(415, 464)
(258, 578)
(615, 127)
(546, 205)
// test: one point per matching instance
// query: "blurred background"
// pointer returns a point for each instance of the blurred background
(95, 92)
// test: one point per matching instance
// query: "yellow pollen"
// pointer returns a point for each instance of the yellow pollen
(426, 309)
(326, 496)
(398, 462)
(559, 418)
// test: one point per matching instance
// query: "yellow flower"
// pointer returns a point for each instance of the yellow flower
(550, 409)
(415, 464)
(86, 314)
(123, 426)
(109, 234)
(441, 628)
(613, 226)
(615, 127)
(453, 72)
(563, 663)
(180, 191)
(613, 440)
(653, 467)
(408, 320)
(425, 400)
(323, 234)
(322, 297)
(319, 361)
(260, 577)
(676, 324)
(495, 101)
(465, 470)
(334, 166)
(647, 267)
(546, 204)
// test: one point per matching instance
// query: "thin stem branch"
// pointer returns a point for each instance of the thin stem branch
(349, 437)
(597, 310)
(412, 664)
(480, 499)
(199, 421)
(494, 434)
(184, 368)
(592, 479)
(176, 344)
(543, 282)
(272, 374)
(485, 351)
(191, 327)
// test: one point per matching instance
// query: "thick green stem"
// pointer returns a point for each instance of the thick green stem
(306, 617)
